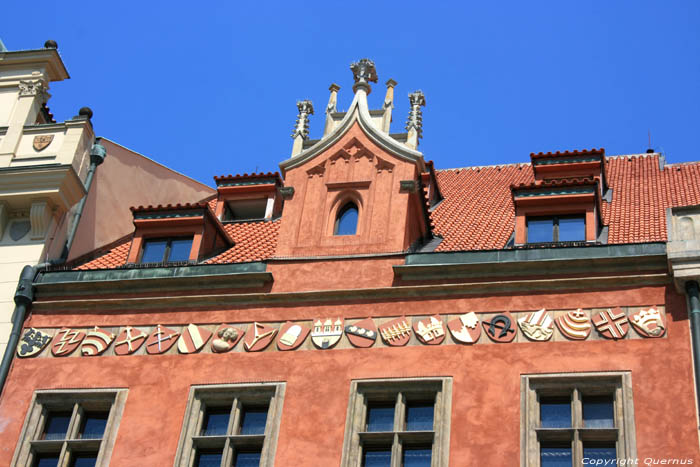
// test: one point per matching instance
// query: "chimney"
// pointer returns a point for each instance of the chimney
(332, 107)
(301, 129)
(414, 124)
(388, 105)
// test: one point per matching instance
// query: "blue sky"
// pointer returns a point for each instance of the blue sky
(210, 88)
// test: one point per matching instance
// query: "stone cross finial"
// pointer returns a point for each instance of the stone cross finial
(363, 72)
(414, 124)
(301, 129)
(306, 108)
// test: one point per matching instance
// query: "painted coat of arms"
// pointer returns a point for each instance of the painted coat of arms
(327, 332)
(96, 342)
(66, 341)
(430, 330)
(129, 341)
(537, 326)
(32, 343)
(292, 335)
(465, 328)
(258, 337)
(501, 328)
(160, 340)
(396, 332)
(649, 322)
(362, 334)
(192, 339)
(41, 142)
(574, 324)
(226, 337)
(612, 324)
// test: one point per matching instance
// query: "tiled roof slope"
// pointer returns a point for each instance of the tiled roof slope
(477, 211)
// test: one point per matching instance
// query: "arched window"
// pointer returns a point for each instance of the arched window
(346, 222)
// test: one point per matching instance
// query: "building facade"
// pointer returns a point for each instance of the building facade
(362, 308)
(47, 169)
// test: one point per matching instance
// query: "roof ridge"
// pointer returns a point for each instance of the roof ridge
(515, 164)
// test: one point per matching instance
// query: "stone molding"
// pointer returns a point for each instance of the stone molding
(40, 215)
(32, 88)
(683, 247)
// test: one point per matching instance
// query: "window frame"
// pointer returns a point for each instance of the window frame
(577, 385)
(79, 402)
(168, 247)
(237, 395)
(364, 393)
(555, 226)
(341, 212)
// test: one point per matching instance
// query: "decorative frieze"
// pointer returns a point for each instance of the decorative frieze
(334, 332)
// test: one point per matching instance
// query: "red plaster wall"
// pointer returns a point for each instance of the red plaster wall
(486, 391)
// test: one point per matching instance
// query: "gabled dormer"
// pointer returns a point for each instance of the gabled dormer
(176, 233)
(249, 197)
(359, 189)
(563, 204)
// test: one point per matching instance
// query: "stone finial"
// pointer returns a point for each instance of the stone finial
(388, 105)
(301, 129)
(331, 108)
(363, 72)
(414, 124)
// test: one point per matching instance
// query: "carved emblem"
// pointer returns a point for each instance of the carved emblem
(129, 341)
(465, 329)
(612, 324)
(96, 342)
(537, 326)
(649, 322)
(327, 332)
(18, 229)
(160, 340)
(362, 334)
(292, 335)
(430, 330)
(32, 343)
(192, 339)
(396, 332)
(41, 142)
(501, 328)
(574, 324)
(66, 341)
(31, 88)
(258, 337)
(226, 338)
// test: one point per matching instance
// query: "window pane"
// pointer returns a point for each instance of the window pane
(598, 453)
(347, 221)
(208, 459)
(572, 229)
(215, 422)
(416, 457)
(180, 249)
(419, 417)
(555, 457)
(94, 425)
(153, 251)
(247, 459)
(46, 460)
(84, 460)
(380, 418)
(598, 413)
(57, 426)
(540, 230)
(555, 413)
(253, 421)
(377, 458)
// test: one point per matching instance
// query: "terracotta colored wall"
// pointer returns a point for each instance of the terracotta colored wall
(485, 404)
(127, 179)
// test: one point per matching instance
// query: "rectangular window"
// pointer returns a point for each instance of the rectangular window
(166, 250)
(556, 229)
(246, 209)
(576, 419)
(231, 425)
(398, 423)
(74, 428)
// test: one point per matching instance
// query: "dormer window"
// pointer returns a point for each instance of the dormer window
(166, 250)
(346, 222)
(556, 229)
(246, 209)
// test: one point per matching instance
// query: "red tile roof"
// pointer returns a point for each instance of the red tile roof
(477, 212)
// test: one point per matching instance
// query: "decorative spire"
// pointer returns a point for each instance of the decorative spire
(301, 129)
(306, 108)
(363, 72)
(414, 124)
(331, 108)
(388, 105)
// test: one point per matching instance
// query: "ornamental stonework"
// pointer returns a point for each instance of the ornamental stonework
(334, 333)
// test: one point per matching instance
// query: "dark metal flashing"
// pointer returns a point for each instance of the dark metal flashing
(169, 214)
(259, 181)
(534, 261)
(568, 160)
(546, 191)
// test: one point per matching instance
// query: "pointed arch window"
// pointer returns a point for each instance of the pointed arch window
(346, 221)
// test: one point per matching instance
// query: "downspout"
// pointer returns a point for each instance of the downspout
(24, 295)
(693, 291)
(97, 157)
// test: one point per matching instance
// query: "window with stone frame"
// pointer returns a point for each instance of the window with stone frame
(398, 422)
(573, 419)
(70, 428)
(231, 425)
